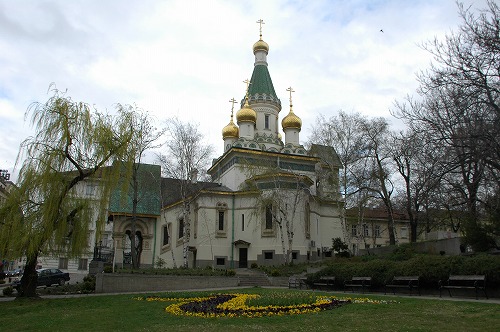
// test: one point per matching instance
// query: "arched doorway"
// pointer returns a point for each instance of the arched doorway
(137, 236)
(133, 245)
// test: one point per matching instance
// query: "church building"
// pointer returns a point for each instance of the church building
(271, 201)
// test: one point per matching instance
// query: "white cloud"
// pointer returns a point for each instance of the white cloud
(187, 58)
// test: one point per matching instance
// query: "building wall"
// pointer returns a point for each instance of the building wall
(244, 225)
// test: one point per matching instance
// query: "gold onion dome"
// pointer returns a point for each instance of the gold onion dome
(260, 45)
(246, 114)
(231, 130)
(291, 121)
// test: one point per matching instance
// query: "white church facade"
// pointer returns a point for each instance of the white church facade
(270, 201)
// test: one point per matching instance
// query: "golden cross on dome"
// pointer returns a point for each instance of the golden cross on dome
(247, 82)
(290, 89)
(232, 101)
(260, 21)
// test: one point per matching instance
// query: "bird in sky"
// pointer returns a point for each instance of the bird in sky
(381, 30)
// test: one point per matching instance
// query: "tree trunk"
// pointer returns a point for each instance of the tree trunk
(29, 278)
(133, 244)
(187, 234)
(283, 248)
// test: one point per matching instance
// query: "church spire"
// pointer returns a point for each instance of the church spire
(261, 88)
(260, 45)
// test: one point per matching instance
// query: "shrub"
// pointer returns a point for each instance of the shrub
(160, 262)
(108, 269)
(230, 273)
(403, 252)
(7, 291)
(254, 265)
(88, 285)
(275, 273)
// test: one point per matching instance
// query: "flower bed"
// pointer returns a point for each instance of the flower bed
(237, 305)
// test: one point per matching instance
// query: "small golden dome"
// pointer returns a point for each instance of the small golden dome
(246, 114)
(260, 45)
(231, 130)
(291, 121)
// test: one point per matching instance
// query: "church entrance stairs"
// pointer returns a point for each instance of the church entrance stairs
(252, 278)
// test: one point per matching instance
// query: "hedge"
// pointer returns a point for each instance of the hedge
(430, 268)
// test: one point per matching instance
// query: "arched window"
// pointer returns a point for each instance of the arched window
(167, 230)
(269, 217)
(221, 219)
(181, 228)
(307, 220)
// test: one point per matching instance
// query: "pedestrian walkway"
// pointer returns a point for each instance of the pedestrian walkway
(337, 293)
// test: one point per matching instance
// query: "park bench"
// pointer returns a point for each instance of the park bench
(410, 282)
(476, 282)
(297, 282)
(325, 282)
(358, 282)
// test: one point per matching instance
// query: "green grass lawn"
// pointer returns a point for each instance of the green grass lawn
(124, 313)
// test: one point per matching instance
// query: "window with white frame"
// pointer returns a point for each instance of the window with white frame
(90, 189)
(269, 217)
(221, 219)
(404, 232)
(366, 230)
(63, 263)
(354, 230)
(377, 231)
(83, 264)
(180, 232)
(266, 121)
(166, 234)
(220, 222)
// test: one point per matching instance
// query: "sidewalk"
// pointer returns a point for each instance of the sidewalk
(337, 293)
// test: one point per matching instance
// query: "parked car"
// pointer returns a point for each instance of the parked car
(46, 277)
(15, 273)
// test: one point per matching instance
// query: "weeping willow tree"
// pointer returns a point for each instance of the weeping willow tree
(44, 212)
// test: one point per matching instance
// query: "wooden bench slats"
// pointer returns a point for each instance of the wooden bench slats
(363, 282)
(410, 282)
(326, 282)
(476, 282)
(296, 282)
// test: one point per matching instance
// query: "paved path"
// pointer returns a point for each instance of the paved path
(340, 294)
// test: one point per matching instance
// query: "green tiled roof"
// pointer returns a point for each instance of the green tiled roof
(261, 82)
(261, 87)
(149, 179)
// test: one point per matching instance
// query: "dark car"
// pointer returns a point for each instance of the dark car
(15, 273)
(46, 277)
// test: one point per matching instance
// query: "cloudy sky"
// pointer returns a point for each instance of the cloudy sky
(188, 58)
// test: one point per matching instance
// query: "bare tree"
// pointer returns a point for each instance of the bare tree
(342, 133)
(460, 111)
(283, 202)
(145, 137)
(421, 172)
(379, 180)
(280, 195)
(185, 154)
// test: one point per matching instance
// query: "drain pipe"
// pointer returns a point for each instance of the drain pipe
(232, 235)
(154, 244)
